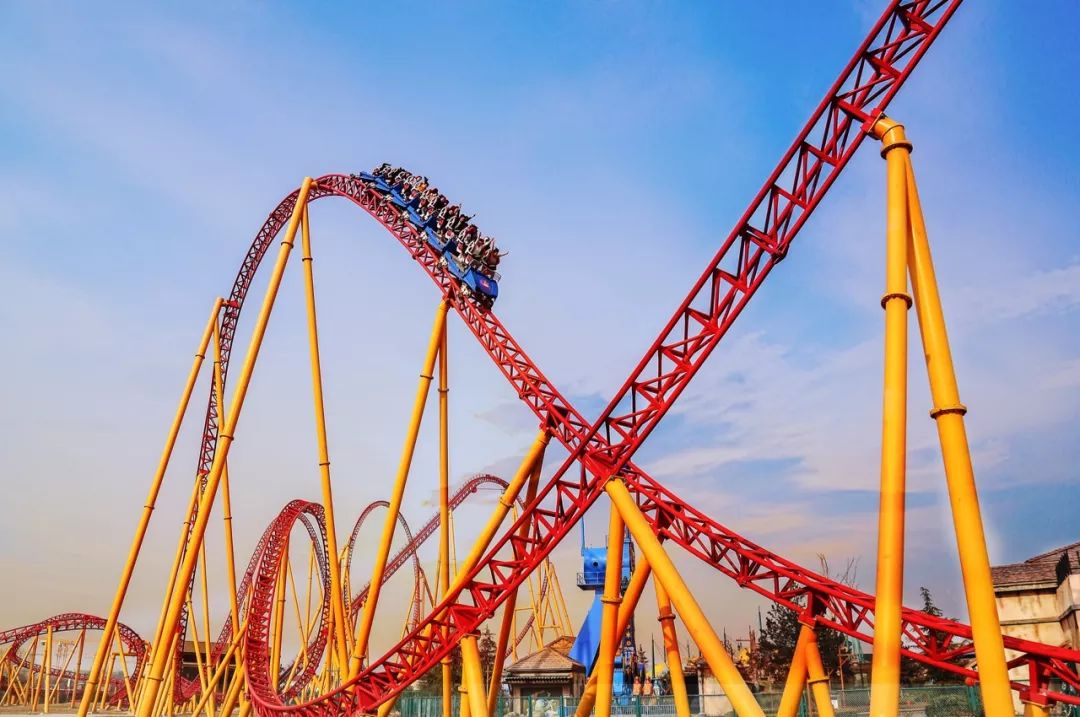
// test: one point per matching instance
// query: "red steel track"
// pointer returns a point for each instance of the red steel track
(116, 693)
(312, 517)
(600, 450)
(413, 542)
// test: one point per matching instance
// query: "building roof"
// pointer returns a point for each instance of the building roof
(1037, 571)
(554, 657)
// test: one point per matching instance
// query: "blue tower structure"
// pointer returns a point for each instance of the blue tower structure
(587, 643)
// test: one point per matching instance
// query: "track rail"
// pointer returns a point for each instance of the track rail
(597, 451)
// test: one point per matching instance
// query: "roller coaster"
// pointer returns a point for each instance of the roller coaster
(335, 671)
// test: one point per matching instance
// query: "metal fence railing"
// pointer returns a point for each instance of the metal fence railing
(929, 701)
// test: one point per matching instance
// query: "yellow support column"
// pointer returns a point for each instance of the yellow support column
(819, 681)
(609, 629)
(337, 602)
(47, 671)
(129, 690)
(630, 598)
(719, 661)
(509, 610)
(225, 439)
(949, 412)
(506, 501)
(885, 673)
(367, 617)
(159, 640)
(444, 507)
(463, 699)
(34, 678)
(671, 649)
(1033, 709)
(144, 520)
(219, 673)
(473, 676)
(796, 678)
(78, 668)
(226, 497)
(232, 695)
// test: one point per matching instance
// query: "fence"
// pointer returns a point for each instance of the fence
(930, 701)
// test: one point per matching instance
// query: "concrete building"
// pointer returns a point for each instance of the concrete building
(1039, 599)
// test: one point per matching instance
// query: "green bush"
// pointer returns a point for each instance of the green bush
(951, 704)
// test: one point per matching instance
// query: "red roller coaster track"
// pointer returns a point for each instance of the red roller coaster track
(134, 646)
(759, 241)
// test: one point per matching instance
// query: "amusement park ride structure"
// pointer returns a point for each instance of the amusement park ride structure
(334, 672)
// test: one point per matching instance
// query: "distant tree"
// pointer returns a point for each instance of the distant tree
(781, 631)
(487, 648)
(914, 672)
(777, 645)
(431, 681)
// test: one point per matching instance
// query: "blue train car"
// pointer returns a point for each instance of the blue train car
(483, 289)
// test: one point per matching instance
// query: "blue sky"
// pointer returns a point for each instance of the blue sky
(609, 147)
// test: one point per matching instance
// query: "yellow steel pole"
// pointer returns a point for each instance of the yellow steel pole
(1033, 709)
(819, 681)
(533, 457)
(712, 649)
(473, 676)
(796, 677)
(302, 629)
(159, 633)
(47, 672)
(225, 439)
(948, 412)
(386, 707)
(144, 520)
(78, 668)
(337, 603)
(671, 648)
(463, 697)
(367, 618)
(226, 498)
(630, 598)
(104, 691)
(609, 628)
(538, 636)
(32, 676)
(509, 609)
(56, 691)
(566, 626)
(444, 506)
(35, 677)
(232, 695)
(123, 667)
(165, 697)
(506, 501)
(885, 671)
(207, 667)
(203, 670)
(220, 671)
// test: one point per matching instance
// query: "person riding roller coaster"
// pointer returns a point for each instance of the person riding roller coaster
(470, 250)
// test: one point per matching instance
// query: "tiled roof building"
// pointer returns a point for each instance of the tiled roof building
(548, 675)
(1039, 599)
